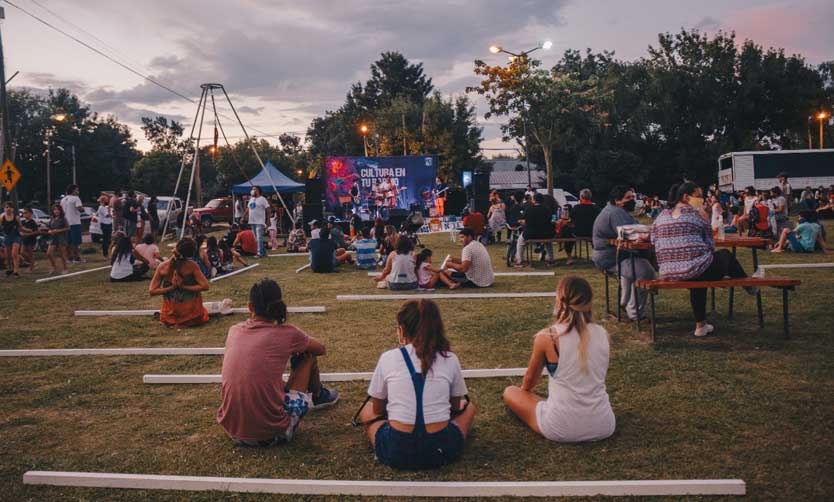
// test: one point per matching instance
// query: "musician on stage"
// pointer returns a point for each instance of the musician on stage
(356, 201)
(440, 189)
(389, 191)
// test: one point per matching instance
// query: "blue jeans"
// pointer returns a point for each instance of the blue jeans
(259, 236)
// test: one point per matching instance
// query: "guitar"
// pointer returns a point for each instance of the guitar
(438, 193)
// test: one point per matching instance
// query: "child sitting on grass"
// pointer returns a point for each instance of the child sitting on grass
(428, 276)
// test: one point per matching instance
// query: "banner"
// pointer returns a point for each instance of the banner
(412, 178)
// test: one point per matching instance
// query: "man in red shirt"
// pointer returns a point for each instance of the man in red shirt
(259, 408)
(246, 243)
(474, 220)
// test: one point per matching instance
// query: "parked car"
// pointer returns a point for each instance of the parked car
(220, 209)
(563, 197)
(162, 204)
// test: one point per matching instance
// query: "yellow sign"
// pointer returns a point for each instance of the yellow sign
(9, 175)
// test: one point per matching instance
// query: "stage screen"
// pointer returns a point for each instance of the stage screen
(413, 176)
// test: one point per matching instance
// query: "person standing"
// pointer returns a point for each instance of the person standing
(153, 214)
(258, 211)
(440, 189)
(130, 213)
(785, 186)
(238, 211)
(71, 204)
(496, 216)
(105, 221)
(116, 203)
(58, 229)
(29, 231)
(11, 226)
(617, 212)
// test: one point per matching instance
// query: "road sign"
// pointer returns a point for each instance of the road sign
(9, 175)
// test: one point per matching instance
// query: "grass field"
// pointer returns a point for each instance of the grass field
(743, 403)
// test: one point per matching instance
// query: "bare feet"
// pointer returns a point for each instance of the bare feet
(455, 286)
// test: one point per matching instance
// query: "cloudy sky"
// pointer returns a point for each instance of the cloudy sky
(285, 63)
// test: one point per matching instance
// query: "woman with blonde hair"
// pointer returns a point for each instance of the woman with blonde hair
(575, 352)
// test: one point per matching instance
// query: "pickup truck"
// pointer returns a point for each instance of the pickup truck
(220, 209)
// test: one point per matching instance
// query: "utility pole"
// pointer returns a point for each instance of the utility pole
(4, 106)
(74, 178)
(48, 174)
(405, 148)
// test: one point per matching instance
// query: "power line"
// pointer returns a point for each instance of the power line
(105, 55)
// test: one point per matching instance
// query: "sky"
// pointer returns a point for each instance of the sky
(285, 63)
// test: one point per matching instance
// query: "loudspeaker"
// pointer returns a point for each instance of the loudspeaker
(312, 212)
(313, 191)
(396, 217)
(480, 189)
(455, 201)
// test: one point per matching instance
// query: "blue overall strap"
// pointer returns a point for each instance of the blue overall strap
(417, 380)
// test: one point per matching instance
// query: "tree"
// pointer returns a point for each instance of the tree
(545, 107)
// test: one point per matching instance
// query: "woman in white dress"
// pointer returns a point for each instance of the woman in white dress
(575, 353)
(497, 215)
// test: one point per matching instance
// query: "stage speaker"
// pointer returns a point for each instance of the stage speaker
(397, 216)
(455, 201)
(480, 188)
(313, 191)
(312, 212)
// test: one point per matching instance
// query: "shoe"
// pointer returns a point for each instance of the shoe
(752, 290)
(704, 330)
(64, 272)
(325, 398)
(9, 272)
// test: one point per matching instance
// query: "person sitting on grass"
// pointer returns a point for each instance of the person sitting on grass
(180, 282)
(683, 243)
(474, 268)
(324, 255)
(575, 353)
(212, 258)
(805, 238)
(297, 241)
(428, 276)
(365, 248)
(245, 242)
(258, 408)
(415, 416)
(399, 272)
(229, 256)
(150, 251)
(126, 264)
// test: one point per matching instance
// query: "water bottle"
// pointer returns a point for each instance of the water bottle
(720, 232)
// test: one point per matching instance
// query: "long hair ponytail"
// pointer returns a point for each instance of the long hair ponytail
(423, 327)
(267, 301)
(186, 248)
(573, 308)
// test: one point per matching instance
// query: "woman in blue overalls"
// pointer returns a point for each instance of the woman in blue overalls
(416, 417)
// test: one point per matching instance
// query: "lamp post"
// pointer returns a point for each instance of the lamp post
(364, 130)
(521, 58)
(821, 116)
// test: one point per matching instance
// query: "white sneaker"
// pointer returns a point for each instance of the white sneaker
(704, 330)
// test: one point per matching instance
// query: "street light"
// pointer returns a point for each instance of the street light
(821, 116)
(364, 130)
(522, 58)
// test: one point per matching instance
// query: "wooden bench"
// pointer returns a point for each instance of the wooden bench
(783, 283)
(579, 243)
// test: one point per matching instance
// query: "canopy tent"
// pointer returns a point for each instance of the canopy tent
(262, 180)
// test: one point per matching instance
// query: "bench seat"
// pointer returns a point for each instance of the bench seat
(785, 284)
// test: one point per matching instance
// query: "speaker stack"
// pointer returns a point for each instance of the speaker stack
(480, 187)
(313, 196)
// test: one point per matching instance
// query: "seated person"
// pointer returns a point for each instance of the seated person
(826, 208)
(149, 250)
(324, 256)
(389, 242)
(399, 272)
(297, 241)
(475, 220)
(805, 238)
(314, 229)
(231, 234)
(414, 415)
(577, 407)
(583, 214)
(365, 248)
(605, 256)
(565, 230)
(538, 224)
(336, 233)
(211, 258)
(126, 264)
(428, 276)
(180, 282)
(683, 243)
(245, 242)
(258, 408)
(228, 257)
(758, 220)
(474, 267)
(733, 227)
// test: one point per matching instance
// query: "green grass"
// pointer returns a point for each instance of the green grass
(741, 404)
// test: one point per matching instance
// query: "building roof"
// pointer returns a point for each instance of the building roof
(514, 180)
(509, 165)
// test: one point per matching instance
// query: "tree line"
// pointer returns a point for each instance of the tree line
(589, 120)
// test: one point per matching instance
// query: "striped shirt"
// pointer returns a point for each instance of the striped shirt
(683, 245)
(365, 253)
